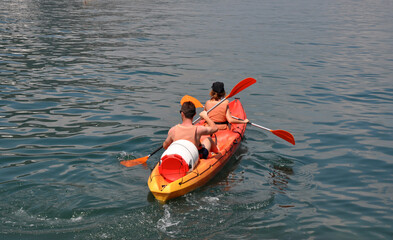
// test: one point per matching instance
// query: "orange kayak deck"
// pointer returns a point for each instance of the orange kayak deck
(228, 142)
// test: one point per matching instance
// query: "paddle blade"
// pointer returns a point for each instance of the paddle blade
(134, 162)
(188, 98)
(245, 83)
(284, 135)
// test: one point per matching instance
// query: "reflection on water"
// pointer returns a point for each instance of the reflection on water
(280, 177)
(85, 84)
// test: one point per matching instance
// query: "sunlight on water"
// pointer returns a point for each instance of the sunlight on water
(87, 84)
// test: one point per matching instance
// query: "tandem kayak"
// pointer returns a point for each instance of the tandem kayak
(228, 142)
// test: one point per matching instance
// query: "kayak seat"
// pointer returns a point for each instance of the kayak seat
(173, 167)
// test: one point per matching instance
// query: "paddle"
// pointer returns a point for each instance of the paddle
(287, 136)
(188, 98)
(133, 162)
(245, 83)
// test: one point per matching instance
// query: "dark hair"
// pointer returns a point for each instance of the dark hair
(188, 108)
(216, 96)
(218, 87)
(217, 91)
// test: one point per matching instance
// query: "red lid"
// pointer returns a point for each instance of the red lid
(173, 167)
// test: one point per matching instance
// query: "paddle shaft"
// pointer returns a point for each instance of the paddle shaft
(245, 83)
(259, 126)
(255, 125)
(158, 149)
(287, 136)
(222, 100)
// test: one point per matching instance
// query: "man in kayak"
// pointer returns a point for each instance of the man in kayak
(187, 131)
(221, 115)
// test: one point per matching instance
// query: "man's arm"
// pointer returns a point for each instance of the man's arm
(168, 139)
(212, 128)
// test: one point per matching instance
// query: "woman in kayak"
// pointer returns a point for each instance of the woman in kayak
(221, 115)
(187, 131)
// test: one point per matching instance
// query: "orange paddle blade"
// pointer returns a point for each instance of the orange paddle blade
(245, 83)
(188, 98)
(133, 162)
(287, 136)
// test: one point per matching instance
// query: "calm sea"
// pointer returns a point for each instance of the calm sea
(86, 84)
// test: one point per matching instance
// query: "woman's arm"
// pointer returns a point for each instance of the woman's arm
(230, 119)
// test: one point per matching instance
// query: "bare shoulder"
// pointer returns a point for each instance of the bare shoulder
(172, 130)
